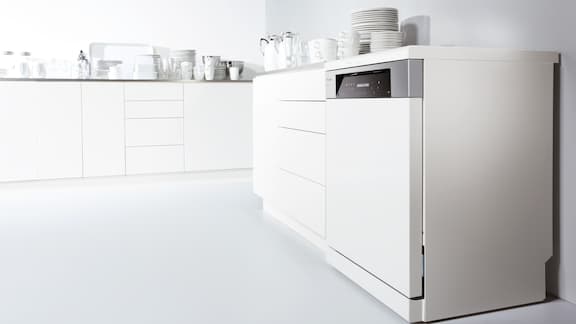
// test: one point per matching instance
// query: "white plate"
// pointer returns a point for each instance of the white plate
(383, 39)
(387, 33)
(374, 16)
(375, 10)
(377, 28)
(376, 23)
(373, 20)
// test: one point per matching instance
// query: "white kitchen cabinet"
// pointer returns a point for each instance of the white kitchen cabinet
(266, 94)
(18, 140)
(289, 149)
(218, 126)
(59, 129)
(40, 130)
(103, 128)
(154, 127)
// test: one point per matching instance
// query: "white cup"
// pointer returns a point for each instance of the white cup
(234, 73)
(24, 69)
(186, 70)
(209, 72)
(39, 70)
(323, 49)
(199, 72)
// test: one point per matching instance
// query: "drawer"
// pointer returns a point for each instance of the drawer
(154, 109)
(303, 115)
(302, 153)
(154, 159)
(304, 85)
(153, 91)
(142, 132)
(301, 200)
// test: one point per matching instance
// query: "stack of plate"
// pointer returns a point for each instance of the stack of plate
(365, 22)
(147, 67)
(220, 71)
(102, 68)
(384, 40)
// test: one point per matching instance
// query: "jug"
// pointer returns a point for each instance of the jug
(269, 48)
(288, 50)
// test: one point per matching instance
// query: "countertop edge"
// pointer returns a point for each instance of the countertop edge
(312, 66)
(119, 80)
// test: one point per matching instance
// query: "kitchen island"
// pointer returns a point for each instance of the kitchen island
(424, 174)
(69, 128)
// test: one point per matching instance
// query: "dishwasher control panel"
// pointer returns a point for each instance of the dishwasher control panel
(370, 84)
(395, 79)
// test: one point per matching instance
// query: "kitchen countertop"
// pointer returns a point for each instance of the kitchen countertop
(119, 80)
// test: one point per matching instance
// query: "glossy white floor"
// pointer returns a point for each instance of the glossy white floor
(175, 249)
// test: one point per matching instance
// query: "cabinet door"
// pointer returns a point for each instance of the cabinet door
(58, 112)
(103, 129)
(17, 132)
(218, 126)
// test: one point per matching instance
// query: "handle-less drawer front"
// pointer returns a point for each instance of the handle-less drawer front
(154, 159)
(143, 132)
(153, 91)
(303, 154)
(301, 200)
(304, 85)
(154, 109)
(303, 115)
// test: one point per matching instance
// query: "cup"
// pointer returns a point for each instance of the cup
(234, 73)
(199, 72)
(24, 69)
(210, 63)
(39, 70)
(186, 69)
(209, 72)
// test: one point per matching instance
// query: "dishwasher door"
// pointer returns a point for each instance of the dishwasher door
(374, 187)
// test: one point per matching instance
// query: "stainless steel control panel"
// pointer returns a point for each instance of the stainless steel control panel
(397, 79)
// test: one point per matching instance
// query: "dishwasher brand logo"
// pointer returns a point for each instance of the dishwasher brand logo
(362, 85)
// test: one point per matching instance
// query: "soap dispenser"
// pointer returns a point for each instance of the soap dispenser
(83, 66)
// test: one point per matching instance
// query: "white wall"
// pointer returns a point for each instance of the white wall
(526, 24)
(60, 28)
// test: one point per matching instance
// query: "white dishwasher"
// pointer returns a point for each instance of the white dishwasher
(374, 171)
